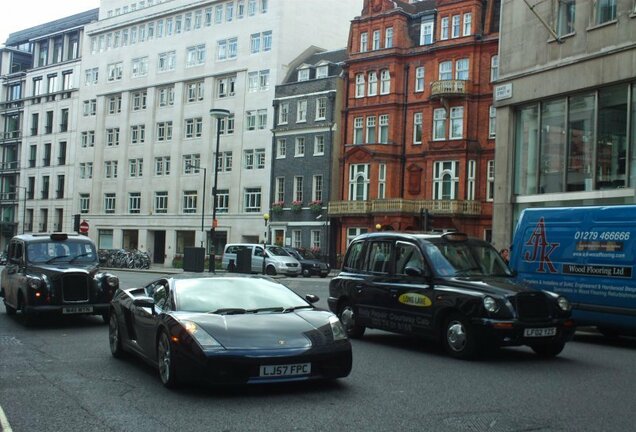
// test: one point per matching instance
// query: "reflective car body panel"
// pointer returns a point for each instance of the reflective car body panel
(269, 325)
(310, 265)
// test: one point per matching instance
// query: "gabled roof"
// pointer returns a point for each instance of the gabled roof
(56, 26)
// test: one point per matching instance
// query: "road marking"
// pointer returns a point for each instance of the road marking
(4, 423)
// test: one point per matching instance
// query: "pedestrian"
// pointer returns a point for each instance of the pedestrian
(505, 255)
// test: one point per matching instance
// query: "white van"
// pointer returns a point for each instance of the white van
(277, 260)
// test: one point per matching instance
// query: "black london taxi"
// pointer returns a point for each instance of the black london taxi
(446, 287)
(55, 273)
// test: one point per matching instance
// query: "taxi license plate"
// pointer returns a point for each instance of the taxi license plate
(540, 332)
(285, 370)
(77, 309)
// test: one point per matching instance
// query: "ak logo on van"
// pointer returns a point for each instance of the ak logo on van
(538, 248)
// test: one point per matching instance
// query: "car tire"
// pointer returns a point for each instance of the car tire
(458, 337)
(548, 350)
(347, 315)
(10, 309)
(114, 337)
(270, 271)
(306, 273)
(27, 317)
(165, 361)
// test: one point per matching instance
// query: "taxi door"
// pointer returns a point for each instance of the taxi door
(406, 291)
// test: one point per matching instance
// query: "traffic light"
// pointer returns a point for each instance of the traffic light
(76, 222)
(426, 220)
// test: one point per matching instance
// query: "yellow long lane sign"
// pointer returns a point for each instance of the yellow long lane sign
(413, 299)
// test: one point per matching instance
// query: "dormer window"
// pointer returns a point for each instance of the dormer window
(303, 74)
(322, 71)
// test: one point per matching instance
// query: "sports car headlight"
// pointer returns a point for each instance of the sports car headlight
(337, 329)
(490, 304)
(206, 341)
(564, 304)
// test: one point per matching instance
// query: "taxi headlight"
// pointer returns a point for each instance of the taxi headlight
(112, 281)
(34, 282)
(337, 329)
(205, 341)
(490, 304)
(564, 304)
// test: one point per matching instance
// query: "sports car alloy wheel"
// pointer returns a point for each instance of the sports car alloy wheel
(165, 362)
(113, 337)
(347, 317)
(458, 339)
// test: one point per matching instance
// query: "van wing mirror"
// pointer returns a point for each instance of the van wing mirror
(414, 272)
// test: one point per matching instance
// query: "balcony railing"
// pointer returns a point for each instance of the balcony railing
(406, 207)
(446, 88)
(11, 135)
(9, 166)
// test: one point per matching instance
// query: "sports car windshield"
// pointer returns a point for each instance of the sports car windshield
(235, 295)
(466, 259)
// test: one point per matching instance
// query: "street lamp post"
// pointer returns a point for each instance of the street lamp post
(219, 115)
(265, 218)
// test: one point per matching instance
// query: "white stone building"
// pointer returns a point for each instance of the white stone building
(151, 72)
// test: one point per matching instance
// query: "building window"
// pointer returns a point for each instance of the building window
(384, 129)
(358, 124)
(227, 125)
(114, 104)
(385, 81)
(470, 178)
(194, 91)
(262, 118)
(283, 113)
(110, 169)
(364, 42)
(248, 159)
(301, 111)
(417, 128)
(195, 55)
(139, 99)
(358, 182)
(494, 68)
(161, 202)
(226, 87)
(317, 188)
(461, 69)
(162, 166)
(468, 18)
(250, 120)
(252, 200)
(565, 17)
(91, 76)
(371, 130)
(135, 167)
(439, 124)
(376, 40)
(445, 180)
(86, 170)
(297, 238)
(138, 134)
(164, 131)
(388, 38)
(139, 67)
(444, 29)
(88, 139)
(298, 189)
(259, 155)
(456, 122)
(109, 203)
(193, 127)
(359, 85)
(300, 147)
(322, 71)
(381, 181)
(373, 84)
(84, 203)
(279, 192)
(255, 43)
(315, 240)
(604, 11)
(281, 148)
(191, 163)
(167, 61)
(112, 137)
(222, 200)
(321, 108)
(456, 22)
(189, 202)
(115, 71)
(492, 121)
(426, 31)
(166, 96)
(419, 79)
(90, 107)
(490, 181)
(446, 71)
(319, 145)
(134, 202)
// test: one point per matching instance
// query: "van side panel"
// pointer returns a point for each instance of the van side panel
(586, 254)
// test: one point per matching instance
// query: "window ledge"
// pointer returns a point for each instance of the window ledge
(562, 37)
(605, 24)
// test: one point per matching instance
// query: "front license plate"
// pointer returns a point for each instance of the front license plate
(540, 332)
(77, 309)
(285, 370)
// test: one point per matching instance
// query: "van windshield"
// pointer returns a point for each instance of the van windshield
(277, 251)
(466, 258)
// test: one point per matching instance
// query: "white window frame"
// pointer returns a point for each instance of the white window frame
(417, 128)
(359, 182)
(373, 84)
(468, 21)
(456, 127)
(443, 35)
(490, 180)
(381, 181)
(445, 172)
(492, 121)
(471, 179)
(439, 119)
(319, 145)
(385, 82)
(299, 147)
(420, 73)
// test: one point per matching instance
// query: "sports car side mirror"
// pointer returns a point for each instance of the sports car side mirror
(146, 302)
(311, 298)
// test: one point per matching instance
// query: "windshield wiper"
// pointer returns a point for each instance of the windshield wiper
(293, 308)
(265, 309)
(228, 311)
(49, 261)
(78, 256)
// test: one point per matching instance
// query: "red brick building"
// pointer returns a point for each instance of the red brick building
(418, 128)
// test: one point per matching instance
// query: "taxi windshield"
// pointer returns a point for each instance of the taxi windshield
(61, 251)
(466, 258)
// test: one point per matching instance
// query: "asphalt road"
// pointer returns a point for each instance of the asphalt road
(59, 376)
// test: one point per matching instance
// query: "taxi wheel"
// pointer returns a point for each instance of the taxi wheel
(27, 317)
(548, 350)
(347, 315)
(165, 362)
(458, 339)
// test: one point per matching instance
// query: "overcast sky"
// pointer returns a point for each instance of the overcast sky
(16, 15)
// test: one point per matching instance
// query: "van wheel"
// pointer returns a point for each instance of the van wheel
(347, 315)
(270, 271)
(549, 350)
(458, 338)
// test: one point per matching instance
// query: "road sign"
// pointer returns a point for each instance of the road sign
(83, 228)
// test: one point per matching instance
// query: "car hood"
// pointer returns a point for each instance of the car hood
(500, 286)
(265, 331)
